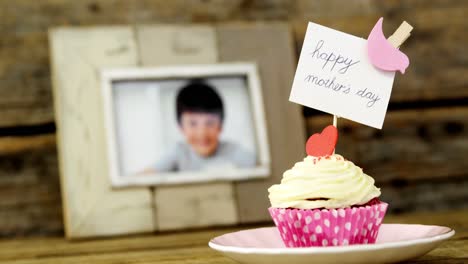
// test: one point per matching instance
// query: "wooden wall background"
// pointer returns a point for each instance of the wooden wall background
(419, 158)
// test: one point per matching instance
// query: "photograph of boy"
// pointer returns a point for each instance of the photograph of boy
(200, 116)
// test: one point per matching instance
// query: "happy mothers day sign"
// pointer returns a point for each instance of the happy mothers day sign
(334, 75)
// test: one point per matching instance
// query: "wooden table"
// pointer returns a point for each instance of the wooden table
(191, 246)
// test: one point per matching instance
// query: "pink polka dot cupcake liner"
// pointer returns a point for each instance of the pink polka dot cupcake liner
(329, 227)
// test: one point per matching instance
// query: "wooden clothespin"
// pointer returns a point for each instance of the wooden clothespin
(400, 35)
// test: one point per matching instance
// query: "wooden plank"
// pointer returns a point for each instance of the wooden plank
(428, 195)
(203, 255)
(454, 253)
(37, 248)
(182, 207)
(419, 144)
(91, 207)
(30, 201)
(451, 252)
(271, 47)
(192, 205)
(63, 12)
(32, 218)
(315, 9)
(46, 249)
(12, 145)
(25, 94)
(180, 45)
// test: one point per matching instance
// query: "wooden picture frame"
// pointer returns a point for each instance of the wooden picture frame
(222, 70)
(92, 207)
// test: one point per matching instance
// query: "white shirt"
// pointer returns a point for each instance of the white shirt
(183, 158)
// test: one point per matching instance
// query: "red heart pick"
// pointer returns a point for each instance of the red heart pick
(322, 144)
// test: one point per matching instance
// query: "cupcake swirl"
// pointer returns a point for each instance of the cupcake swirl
(323, 182)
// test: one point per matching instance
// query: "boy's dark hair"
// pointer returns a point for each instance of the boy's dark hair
(200, 97)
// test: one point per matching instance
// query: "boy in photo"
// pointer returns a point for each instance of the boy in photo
(200, 116)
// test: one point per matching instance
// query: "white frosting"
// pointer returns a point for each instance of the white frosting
(323, 182)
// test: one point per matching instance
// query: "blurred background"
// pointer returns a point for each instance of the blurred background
(419, 159)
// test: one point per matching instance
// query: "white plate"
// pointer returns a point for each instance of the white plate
(395, 242)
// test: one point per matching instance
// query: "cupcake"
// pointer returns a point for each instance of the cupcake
(326, 200)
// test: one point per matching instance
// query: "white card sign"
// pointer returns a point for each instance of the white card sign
(334, 75)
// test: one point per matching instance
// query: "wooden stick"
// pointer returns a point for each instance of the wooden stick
(335, 124)
(335, 121)
(400, 35)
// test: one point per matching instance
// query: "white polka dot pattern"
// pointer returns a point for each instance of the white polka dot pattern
(335, 227)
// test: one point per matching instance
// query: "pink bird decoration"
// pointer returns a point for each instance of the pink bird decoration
(382, 54)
